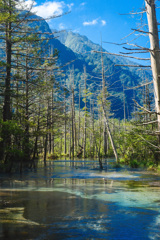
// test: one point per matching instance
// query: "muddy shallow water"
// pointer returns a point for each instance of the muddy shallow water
(75, 200)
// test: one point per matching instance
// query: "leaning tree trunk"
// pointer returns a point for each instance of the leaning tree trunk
(110, 135)
(154, 54)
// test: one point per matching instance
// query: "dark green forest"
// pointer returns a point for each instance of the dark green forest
(62, 96)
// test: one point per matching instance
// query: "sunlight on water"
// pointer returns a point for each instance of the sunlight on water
(85, 175)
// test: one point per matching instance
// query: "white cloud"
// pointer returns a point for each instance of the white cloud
(76, 30)
(90, 23)
(103, 22)
(25, 4)
(61, 26)
(82, 4)
(95, 22)
(46, 9)
(29, 2)
(70, 6)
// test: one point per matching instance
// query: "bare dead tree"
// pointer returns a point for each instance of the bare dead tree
(85, 118)
(154, 54)
(109, 134)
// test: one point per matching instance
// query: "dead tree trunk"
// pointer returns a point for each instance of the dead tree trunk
(52, 120)
(104, 101)
(26, 135)
(110, 135)
(85, 120)
(46, 137)
(124, 106)
(7, 92)
(99, 150)
(70, 138)
(73, 135)
(93, 133)
(154, 54)
(79, 118)
(65, 126)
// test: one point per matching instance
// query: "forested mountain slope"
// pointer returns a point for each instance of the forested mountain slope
(116, 77)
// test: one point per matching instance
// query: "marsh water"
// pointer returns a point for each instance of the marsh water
(77, 200)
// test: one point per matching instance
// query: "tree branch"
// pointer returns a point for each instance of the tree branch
(132, 13)
(149, 142)
(123, 65)
(138, 30)
(146, 110)
(145, 84)
(121, 55)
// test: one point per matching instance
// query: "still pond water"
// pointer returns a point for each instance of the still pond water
(76, 200)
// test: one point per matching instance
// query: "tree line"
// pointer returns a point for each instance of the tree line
(39, 115)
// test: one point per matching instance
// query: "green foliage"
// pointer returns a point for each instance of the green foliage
(16, 154)
(10, 127)
(137, 149)
(11, 131)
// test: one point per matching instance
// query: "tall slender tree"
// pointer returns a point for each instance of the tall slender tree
(154, 55)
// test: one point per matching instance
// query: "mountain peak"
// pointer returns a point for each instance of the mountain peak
(78, 43)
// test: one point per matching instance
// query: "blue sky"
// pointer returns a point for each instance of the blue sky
(94, 18)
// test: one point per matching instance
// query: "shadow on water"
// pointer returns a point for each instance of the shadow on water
(77, 200)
